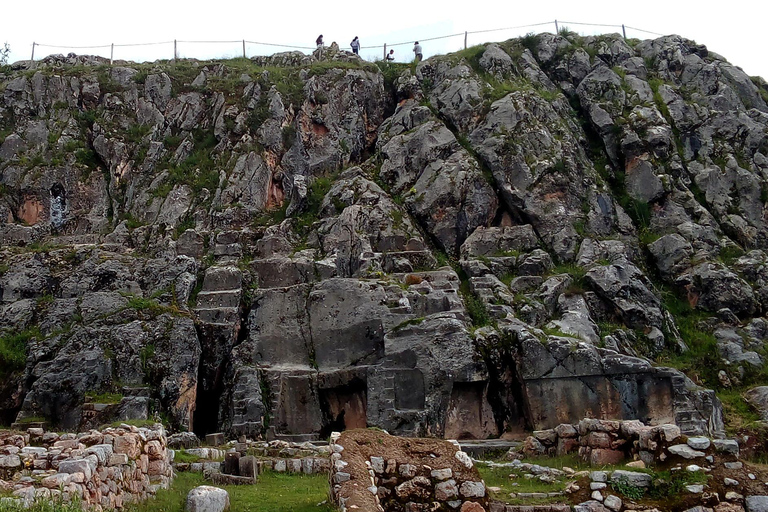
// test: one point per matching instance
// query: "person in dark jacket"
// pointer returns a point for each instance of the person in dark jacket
(355, 44)
(319, 41)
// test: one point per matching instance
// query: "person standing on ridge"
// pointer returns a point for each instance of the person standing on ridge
(417, 51)
(355, 44)
(391, 56)
(319, 41)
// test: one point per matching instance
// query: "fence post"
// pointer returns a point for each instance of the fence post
(465, 39)
(111, 53)
(624, 31)
(33, 52)
(174, 50)
(385, 52)
(244, 49)
(557, 30)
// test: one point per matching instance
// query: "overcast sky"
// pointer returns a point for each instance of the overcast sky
(734, 29)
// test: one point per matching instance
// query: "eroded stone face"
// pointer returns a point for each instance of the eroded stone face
(229, 247)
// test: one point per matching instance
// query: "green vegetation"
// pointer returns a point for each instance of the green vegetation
(406, 323)
(274, 491)
(13, 350)
(665, 485)
(42, 506)
(198, 170)
(104, 398)
(499, 477)
(185, 457)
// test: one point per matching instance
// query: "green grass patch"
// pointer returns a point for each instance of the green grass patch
(103, 398)
(42, 506)
(13, 350)
(274, 492)
(185, 457)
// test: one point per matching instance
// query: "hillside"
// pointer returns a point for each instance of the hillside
(506, 238)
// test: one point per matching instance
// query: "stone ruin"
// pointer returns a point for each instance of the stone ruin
(602, 442)
(372, 471)
(105, 470)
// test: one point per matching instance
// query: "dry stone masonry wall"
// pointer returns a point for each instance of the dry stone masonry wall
(103, 470)
(372, 471)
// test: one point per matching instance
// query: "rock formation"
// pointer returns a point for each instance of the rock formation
(514, 236)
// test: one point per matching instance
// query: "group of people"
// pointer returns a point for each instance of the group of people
(390, 57)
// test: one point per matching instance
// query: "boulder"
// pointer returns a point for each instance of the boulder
(207, 499)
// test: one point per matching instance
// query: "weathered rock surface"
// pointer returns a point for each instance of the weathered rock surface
(265, 248)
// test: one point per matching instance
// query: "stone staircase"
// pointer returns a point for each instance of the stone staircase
(218, 303)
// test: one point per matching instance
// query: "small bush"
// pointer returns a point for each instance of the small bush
(628, 490)
(13, 350)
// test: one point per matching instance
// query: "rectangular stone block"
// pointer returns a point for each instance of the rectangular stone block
(248, 466)
(602, 457)
(216, 439)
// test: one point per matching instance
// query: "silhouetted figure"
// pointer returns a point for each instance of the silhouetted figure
(355, 44)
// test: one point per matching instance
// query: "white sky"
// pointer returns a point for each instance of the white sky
(735, 30)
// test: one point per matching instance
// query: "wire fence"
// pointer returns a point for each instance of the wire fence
(244, 45)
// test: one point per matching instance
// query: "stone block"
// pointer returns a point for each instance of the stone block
(566, 430)
(441, 474)
(207, 499)
(598, 440)
(76, 466)
(631, 477)
(698, 443)
(667, 432)
(602, 457)
(727, 446)
(566, 445)
(216, 439)
(118, 459)
(685, 451)
(446, 491)
(757, 503)
(128, 444)
(232, 463)
(471, 489)
(247, 466)
(377, 463)
(418, 488)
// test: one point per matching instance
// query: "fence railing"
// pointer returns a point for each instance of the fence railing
(245, 43)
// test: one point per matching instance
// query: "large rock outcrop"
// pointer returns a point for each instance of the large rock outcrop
(295, 245)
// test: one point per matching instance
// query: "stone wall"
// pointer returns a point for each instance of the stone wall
(372, 471)
(611, 442)
(105, 469)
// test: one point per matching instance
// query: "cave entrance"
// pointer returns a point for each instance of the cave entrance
(344, 407)
(469, 414)
(205, 419)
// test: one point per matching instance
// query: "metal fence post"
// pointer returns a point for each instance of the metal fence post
(385, 51)
(244, 49)
(623, 31)
(111, 53)
(557, 30)
(33, 52)
(175, 55)
(465, 39)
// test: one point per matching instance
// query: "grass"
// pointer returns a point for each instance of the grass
(183, 456)
(104, 398)
(273, 492)
(42, 506)
(13, 350)
(499, 477)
